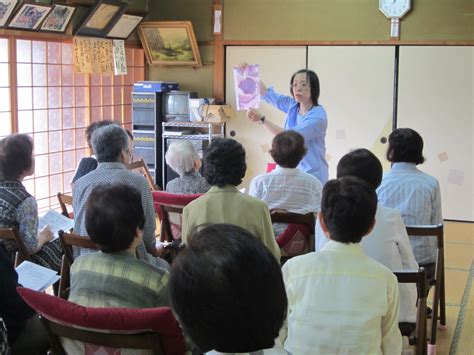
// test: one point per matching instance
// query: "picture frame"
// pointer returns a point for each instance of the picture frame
(58, 19)
(124, 27)
(101, 18)
(29, 16)
(169, 43)
(6, 9)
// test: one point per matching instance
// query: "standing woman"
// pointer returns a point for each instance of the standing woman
(304, 115)
(18, 209)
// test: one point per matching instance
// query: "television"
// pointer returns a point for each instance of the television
(176, 105)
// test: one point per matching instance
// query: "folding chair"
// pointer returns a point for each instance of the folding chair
(64, 201)
(439, 297)
(142, 168)
(298, 237)
(68, 241)
(105, 330)
(12, 235)
(418, 337)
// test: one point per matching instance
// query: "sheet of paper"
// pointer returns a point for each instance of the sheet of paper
(93, 55)
(217, 21)
(56, 221)
(35, 277)
(120, 61)
(247, 87)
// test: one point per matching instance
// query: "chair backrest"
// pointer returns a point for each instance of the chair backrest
(64, 201)
(68, 241)
(169, 208)
(428, 231)
(152, 328)
(298, 237)
(419, 338)
(13, 235)
(142, 168)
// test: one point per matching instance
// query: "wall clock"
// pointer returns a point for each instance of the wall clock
(394, 10)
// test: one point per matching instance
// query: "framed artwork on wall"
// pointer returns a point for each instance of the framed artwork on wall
(29, 16)
(125, 26)
(101, 18)
(6, 9)
(170, 43)
(58, 18)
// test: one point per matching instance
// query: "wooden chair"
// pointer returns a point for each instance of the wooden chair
(64, 201)
(439, 296)
(298, 237)
(13, 235)
(417, 338)
(142, 168)
(105, 330)
(68, 241)
(169, 208)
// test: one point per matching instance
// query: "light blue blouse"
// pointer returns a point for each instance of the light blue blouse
(312, 126)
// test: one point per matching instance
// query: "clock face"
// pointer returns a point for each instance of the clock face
(394, 8)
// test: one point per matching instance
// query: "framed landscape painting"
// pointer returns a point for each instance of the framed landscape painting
(29, 16)
(169, 43)
(6, 9)
(101, 18)
(58, 18)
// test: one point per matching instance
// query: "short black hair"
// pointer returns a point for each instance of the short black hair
(405, 145)
(227, 290)
(16, 152)
(113, 214)
(313, 79)
(224, 162)
(92, 127)
(348, 206)
(363, 164)
(288, 149)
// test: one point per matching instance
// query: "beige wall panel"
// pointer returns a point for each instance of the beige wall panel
(277, 64)
(356, 91)
(436, 99)
(327, 20)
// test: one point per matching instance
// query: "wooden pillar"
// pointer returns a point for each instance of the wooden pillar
(218, 82)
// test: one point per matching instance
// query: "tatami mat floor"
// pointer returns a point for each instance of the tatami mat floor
(459, 255)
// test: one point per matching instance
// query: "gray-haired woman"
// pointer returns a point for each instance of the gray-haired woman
(183, 158)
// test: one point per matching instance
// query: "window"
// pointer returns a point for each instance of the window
(54, 105)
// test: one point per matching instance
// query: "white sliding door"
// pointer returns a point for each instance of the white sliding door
(436, 99)
(357, 93)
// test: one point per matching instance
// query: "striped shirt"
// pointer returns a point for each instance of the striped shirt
(418, 198)
(117, 280)
(288, 189)
(114, 173)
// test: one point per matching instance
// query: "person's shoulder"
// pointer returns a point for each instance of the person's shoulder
(172, 185)
(380, 271)
(152, 270)
(261, 178)
(319, 111)
(309, 178)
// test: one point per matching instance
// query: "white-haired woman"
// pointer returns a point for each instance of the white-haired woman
(183, 158)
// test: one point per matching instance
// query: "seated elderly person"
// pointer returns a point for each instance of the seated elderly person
(287, 187)
(183, 158)
(415, 194)
(388, 241)
(112, 147)
(227, 291)
(88, 164)
(224, 168)
(114, 277)
(18, 209)
(26, 334)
